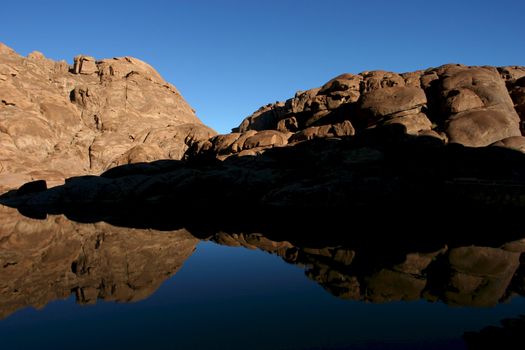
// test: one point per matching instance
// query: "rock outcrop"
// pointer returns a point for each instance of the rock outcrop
(378, 143)
(381, 171)
(41, 261)
(471, 106)
(58, 120)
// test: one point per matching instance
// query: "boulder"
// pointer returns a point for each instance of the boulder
(516, 143)
(484, 82)
(460, 100)
(84, 65)
(387, 101)
(414, 123)
(481, 127)
(378, 79)
(266, 138)
(264, 118)
(336, 130)
(288, 125)
(222, 143)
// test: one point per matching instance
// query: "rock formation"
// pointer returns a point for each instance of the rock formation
(41, 261)
(471, 106)
(58, 120)
(444, 135)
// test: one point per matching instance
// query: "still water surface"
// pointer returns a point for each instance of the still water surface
(116, 295)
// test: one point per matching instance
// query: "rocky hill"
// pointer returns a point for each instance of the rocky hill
(58, 120)
(444, 139)
(471, 106)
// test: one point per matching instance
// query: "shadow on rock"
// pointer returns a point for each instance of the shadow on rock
(383, 182)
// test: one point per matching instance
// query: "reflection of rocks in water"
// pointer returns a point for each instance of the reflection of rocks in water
(476, 275)
(45, 260)
(508, 336)
(468, 275)
(41, 261)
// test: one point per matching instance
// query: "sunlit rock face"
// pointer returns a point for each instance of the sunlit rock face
(58, 120)
(471, 106)
(45, 260)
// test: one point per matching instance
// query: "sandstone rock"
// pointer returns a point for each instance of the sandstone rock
(462, 100)
(432, 133)
(386, 101)
(343, 129)
(174, 140)
(265, 118)
(442, 95)
(481, 127)
(222, 143)
(238, 145)
(482, 81)
(140, 154)
(378, 79)
(413, 79)
(311, 133)
(266, 138)
(288, 124)
(342, 82)
(516, 143)
(414, 123)
(250, 143)
(511, 73)
(84, 65)
(303, 99)
(337, 130)
(56, 119)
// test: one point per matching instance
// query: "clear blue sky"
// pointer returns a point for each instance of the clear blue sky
(230, 57)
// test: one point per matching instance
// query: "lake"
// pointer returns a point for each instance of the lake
(65, 284)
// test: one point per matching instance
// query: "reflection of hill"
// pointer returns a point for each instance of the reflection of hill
(459, 275)
(44, 260)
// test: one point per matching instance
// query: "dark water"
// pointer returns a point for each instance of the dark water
(105, 287)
